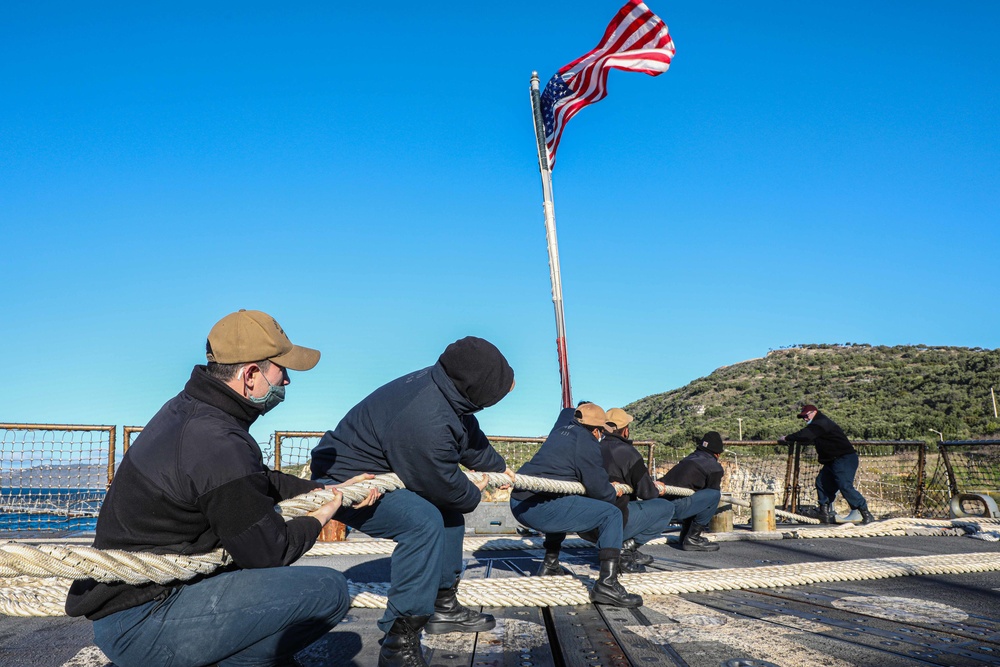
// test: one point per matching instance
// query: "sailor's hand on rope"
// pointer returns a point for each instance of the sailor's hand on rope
(513, 476)
(660, 487)
(326, 511)
(373, 493)
(481, 481)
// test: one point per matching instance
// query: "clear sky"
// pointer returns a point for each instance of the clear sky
(366, 172)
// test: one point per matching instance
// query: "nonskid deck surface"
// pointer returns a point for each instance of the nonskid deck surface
(917, 620)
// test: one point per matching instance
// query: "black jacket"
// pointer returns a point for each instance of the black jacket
(421, 428)
(625, 464)
(696, 471)
(570, 453)
(830, 441)
(195, 481)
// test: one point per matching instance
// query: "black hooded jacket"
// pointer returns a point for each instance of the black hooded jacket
(419, 426)
(195, 481)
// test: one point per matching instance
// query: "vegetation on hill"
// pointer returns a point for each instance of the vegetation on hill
(875, 393)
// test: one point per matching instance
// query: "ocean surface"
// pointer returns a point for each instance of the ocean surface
(49, 508)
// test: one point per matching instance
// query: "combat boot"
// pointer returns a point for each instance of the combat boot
(450, 616)
(685, 527)
(640, 558)
(695, 541)
(826, 513)
(866, 516)
(550, 566)
(401, 645)
(629, 564)
(608, 590)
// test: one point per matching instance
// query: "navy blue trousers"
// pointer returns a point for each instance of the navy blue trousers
(647, 519)
(571, 514)
(838, 475)
(700, 507)
(428, 554)
(246, 618)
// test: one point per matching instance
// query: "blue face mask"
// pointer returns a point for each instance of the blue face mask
(275, 394)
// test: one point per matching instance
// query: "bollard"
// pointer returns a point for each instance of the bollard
(333, 531)
(722, 520)
(762, 511)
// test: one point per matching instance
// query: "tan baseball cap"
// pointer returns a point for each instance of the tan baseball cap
(250, 335)
(591, 414)
(618, 419)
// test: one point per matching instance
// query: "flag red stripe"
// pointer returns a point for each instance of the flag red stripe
(636, 40)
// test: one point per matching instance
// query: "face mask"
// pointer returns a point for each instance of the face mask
(275, 394)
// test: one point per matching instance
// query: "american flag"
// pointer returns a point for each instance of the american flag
(636, 40)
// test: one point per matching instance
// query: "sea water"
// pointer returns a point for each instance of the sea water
(49, 508)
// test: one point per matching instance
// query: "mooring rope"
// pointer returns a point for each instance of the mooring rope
(44, 599)
(111, 565)
(35, 567)
(899, 527)
(388, 482)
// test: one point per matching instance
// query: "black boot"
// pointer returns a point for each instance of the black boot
(450, 616)
(826, 513)
(694, 541)
(685, 527)
(550, 566)
(640, 558)
(401, 645)
(629, 564)
(607, 589)
(866, 516)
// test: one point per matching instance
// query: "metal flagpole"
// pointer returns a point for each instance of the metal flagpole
(550, 236)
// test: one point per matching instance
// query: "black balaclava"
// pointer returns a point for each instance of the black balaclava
(478, 369)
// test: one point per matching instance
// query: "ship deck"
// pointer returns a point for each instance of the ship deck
(946, 619)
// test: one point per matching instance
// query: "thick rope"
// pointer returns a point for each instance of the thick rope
(388, 482)
(902, 527)
(46, 600)
(136, 568)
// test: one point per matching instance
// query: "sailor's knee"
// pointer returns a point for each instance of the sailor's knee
(331, 586)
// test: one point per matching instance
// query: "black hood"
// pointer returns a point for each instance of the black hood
(478, 369)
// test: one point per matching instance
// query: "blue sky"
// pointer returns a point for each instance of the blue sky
(366, 173)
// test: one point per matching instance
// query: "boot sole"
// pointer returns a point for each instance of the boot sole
(445, 628)
(691, 547)
(612, 602)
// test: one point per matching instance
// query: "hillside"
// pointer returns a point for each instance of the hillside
(882, 393)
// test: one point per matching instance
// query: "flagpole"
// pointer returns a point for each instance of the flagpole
(553, 244)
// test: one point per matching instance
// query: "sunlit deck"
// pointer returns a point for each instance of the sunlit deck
(950, 619)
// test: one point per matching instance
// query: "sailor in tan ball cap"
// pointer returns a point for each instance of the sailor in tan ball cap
(195, 481)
